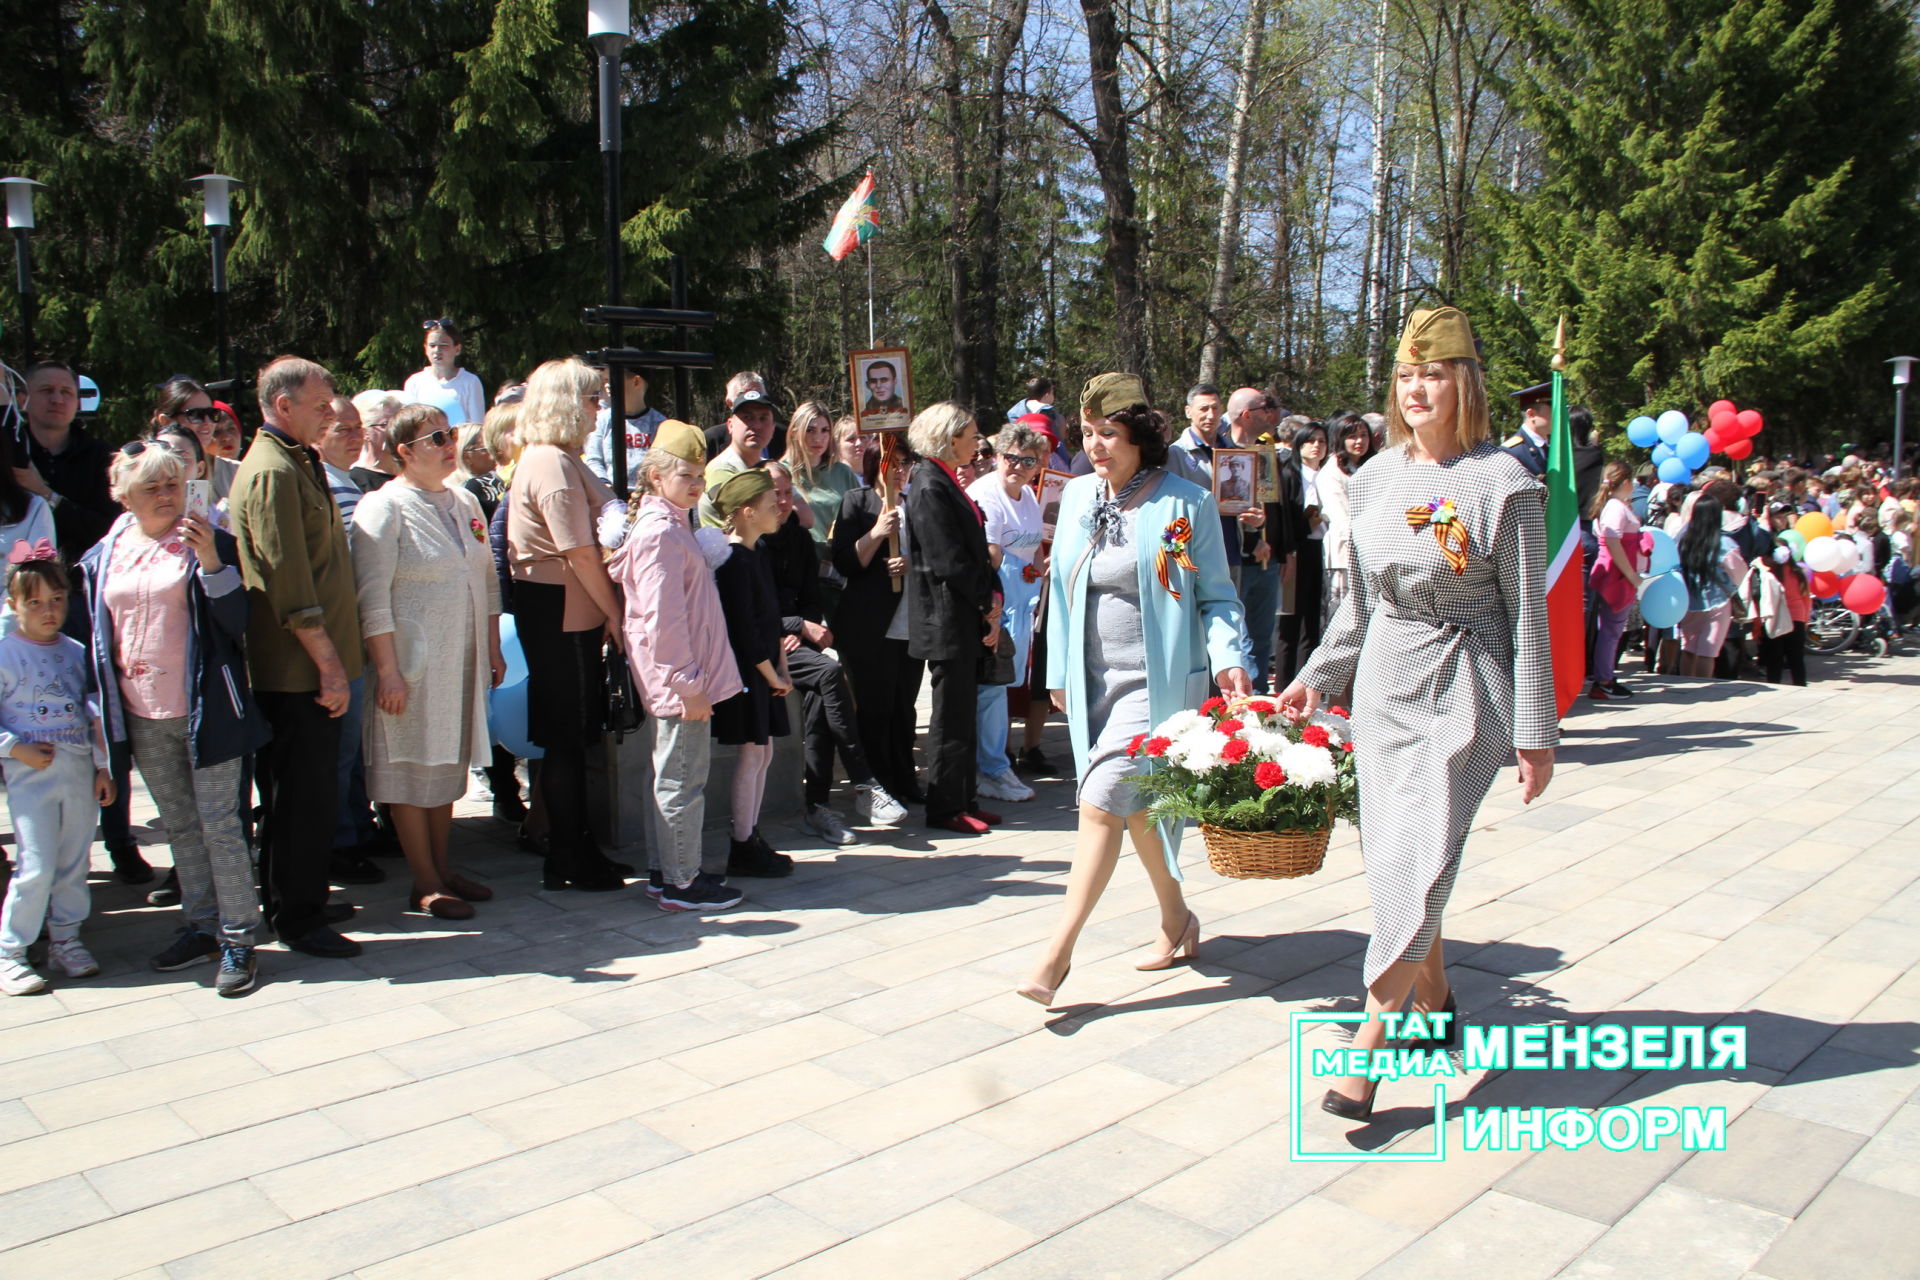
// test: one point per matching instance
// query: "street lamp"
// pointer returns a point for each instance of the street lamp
(1902, 374)
(608, 29)
(216, 195)
(20, 221)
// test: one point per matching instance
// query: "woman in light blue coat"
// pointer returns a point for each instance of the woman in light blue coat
(1145, 609)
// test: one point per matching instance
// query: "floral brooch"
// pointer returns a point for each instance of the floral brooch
(479, 530)
(1440, 516)
(1173, 550)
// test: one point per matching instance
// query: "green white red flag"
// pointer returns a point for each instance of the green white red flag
(1566, 567)
(856, 222)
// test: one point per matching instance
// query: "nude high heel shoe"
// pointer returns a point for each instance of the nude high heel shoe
(1040, 995)
(1184, 949)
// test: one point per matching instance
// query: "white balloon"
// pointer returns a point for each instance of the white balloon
(1823, 555)
(1849, 556)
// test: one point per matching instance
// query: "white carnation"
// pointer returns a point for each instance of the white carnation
(1181, 723)
(1200, 749)
(1307, 766)
(1266, 744)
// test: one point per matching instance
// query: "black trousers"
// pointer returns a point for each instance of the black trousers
(1300, 630)
(501, 778)
(886, 685)
(830, 722)
(297, 773)
(953, 737)
(1788, 651)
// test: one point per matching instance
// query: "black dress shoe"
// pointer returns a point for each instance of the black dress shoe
(509, 807)
(129, 865)
(168, 894)
(348, 866)
(338, 912)
(323, 942)
(1347, 1108)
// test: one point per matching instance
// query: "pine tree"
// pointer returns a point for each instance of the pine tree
(1726, 199)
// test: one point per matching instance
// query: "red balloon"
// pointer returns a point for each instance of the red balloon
(1863, 593)
(1827, 584)
(1723, 418)
(1716, 441)
(1720, 406)
(1739, 450)
(1751, 422)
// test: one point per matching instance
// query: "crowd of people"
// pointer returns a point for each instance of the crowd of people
(319, 617)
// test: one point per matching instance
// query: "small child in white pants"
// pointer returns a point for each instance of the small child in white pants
(55, 762)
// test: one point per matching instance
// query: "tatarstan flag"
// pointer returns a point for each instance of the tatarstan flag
(856, 222)
(1566, 575)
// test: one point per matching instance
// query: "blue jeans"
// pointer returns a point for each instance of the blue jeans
(990, 756)
(354, 825)
(53, 819)
(1260, 599)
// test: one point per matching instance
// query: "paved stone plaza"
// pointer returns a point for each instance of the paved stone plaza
(836, 1081)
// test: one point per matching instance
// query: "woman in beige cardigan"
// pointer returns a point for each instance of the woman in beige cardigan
(430, 611)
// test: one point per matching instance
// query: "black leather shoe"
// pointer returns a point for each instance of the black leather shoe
(1347, 1108)
(509, 807)
(338, 912)
(348, 866)
(129, 865)
(324, 943)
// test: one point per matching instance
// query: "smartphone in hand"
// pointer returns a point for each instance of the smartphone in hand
(200, 499)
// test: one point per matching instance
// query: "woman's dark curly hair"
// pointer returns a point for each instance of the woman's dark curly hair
(1147, 430)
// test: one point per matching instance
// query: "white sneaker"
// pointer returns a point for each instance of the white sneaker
(1003, 786)
(872, 801)
(826, 824)
(17, 978)
(72, 958)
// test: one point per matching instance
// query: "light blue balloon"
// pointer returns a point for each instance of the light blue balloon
(1663, 600)
(1693, 450)
(1674, 471)
(1661, 452)
(1644, 432)
(507, 703)
(1672, 425)
(1664, 557)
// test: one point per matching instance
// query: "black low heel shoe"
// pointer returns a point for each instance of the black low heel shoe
(1349, 1108)
(1446, 1041)
(593, 878)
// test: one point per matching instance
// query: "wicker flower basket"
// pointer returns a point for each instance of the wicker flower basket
(1266, 855)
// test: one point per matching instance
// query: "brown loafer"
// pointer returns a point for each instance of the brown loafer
(471, 890)
(441, 904)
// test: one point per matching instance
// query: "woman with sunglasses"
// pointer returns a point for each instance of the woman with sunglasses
(1013, 545)
(444, 344)
(182, 402)
(430, 610)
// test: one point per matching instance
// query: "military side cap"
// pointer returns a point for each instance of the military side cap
(1109, 393)
(740, 488)
(683, 440)
(1439, 333)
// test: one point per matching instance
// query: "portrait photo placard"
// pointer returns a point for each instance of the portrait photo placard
(882, 381)
(1236, 479)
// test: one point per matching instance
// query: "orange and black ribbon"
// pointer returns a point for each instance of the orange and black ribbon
(1173, 546)
(1447, 531)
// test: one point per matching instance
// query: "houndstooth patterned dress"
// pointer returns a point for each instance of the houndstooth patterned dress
(1451, 671)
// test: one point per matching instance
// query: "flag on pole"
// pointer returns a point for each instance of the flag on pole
(1566, 569)
(856, 222)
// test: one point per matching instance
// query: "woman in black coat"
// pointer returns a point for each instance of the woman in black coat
(870, 630)
(954, 608)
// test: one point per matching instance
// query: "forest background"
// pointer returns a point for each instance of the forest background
(1719, 195)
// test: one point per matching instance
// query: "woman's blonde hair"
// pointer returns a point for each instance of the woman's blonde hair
(498, 431)
(1471, 424)
(128, 471)
(555, 411)
(799, 464)
(935, 428)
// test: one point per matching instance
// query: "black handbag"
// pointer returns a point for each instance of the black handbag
(624, 713)
(996, 664)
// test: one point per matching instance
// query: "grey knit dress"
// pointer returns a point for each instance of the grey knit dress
(1451, 667)
(1116, 672)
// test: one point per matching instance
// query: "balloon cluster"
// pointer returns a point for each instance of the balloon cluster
(1679, 450)
(1833, 560)
(1663, 592)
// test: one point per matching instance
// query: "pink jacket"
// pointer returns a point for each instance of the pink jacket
(676, 636)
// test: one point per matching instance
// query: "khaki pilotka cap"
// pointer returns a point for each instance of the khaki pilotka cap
(1441, 333)
(740, 488)
(682, 440)
(1109, 393)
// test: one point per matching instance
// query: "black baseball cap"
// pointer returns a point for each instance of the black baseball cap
(746, 398)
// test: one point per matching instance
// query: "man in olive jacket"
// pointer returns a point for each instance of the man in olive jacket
(303, 644)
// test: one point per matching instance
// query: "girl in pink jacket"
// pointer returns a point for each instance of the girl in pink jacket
(677, 645)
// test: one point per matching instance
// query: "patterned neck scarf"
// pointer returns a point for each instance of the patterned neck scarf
(1104, 521)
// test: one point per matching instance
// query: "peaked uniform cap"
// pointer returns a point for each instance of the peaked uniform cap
(1439, 333)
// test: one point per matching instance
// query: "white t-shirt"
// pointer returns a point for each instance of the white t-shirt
(1013, 526)
(463, 383)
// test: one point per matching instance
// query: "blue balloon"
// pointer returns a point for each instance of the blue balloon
(1661, 452)
(1644, 432)
(446, 401)
(1672, 425)
(507, 703)
(1693, 450)
(1663, 600)
(1665, 554)
(1674, 471)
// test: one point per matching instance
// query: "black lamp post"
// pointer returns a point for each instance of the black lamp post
(216, 193)
(608, 29)
(20, 222)
(1902, 375)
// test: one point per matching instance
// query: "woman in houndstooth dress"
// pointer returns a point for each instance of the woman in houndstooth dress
(1443, 633)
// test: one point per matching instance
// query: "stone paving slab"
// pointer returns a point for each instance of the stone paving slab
(836, 1081)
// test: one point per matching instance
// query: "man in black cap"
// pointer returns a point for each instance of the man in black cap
(1536, 426)
(750, 423)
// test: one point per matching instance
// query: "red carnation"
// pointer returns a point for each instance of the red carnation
(1230, 727)
(1156, 747)
(1133, 748)
(1346, 746)
(1212, 705)
(1338, 711)
(1264, 707)
(1315, 735)
(1235, 751)
(1267, 775)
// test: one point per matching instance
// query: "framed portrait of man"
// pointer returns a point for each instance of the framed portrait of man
(1235, 479)
(882, 388)
(1269, 461)
(1050, 485)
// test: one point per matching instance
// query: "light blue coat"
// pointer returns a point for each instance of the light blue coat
(1186, 640)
